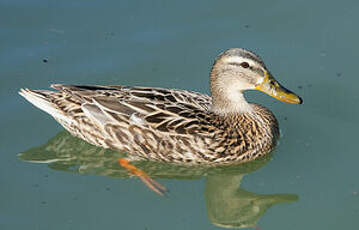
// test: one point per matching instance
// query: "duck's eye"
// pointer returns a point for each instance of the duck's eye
(245, 64)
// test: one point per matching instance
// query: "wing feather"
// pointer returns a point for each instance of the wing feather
(95, 114)
(165, 110)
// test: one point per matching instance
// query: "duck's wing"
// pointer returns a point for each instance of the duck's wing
(175, 112)
(148, 122)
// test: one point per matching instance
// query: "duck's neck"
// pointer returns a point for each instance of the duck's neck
(230, 103)
(227, 99)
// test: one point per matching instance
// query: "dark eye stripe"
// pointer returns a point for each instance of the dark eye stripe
(257, 70)
(243, 64)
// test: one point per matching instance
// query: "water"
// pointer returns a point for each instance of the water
(309, 182)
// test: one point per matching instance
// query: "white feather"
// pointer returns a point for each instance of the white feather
(137, 120)
(42, 103)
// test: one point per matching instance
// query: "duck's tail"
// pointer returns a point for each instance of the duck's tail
(42, 100)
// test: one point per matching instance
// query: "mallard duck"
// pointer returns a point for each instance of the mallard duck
(175, 126)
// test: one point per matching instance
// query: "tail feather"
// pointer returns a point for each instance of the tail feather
(42, 100)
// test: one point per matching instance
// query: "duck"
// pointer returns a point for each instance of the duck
(174, 125)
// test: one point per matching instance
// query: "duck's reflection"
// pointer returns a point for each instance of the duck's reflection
(228, 205)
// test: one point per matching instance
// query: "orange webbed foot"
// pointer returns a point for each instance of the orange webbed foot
(152, 184)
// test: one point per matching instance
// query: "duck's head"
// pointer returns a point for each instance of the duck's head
(237, 70)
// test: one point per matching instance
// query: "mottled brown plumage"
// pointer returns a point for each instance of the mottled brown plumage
(175, 126)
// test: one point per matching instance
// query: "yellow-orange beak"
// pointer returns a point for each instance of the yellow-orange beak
(271, 87)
